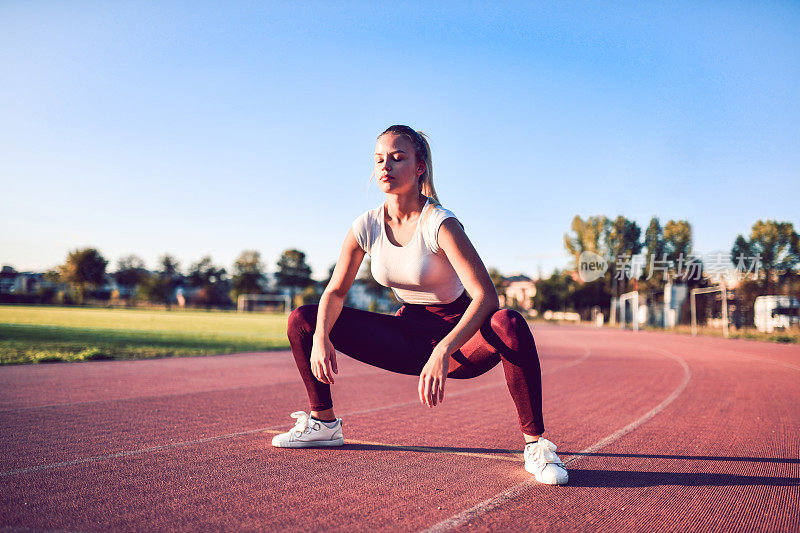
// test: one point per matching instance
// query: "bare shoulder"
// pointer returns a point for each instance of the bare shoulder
(452, 224)
(465, 259)
(454, 241)
(451, 229)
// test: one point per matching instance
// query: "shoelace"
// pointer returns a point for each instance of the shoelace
(303, 423)
(543, 452)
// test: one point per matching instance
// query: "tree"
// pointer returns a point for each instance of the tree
(211, 281)
(169, 267)
(293, 272)
(155, 289)
(656, 248)
(677, 240)
(584, 296)
(310, 295)
(159, 286)
(84, 269)
(622, 243)
(53, 276)
(622, 238)
(678, 247)
(248, 274)
(554, 293)
(498, 281)
(130, 273)
(587, 236)
(778, 246)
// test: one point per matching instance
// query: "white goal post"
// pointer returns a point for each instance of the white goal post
(633, 296)
(244, 301)
(719, 288)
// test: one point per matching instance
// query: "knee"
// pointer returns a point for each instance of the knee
(508, 321)
(302, 320)
(512, 329)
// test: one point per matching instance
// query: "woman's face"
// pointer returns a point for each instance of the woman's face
(396, 167)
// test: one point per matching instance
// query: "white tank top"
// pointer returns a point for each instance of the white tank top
(419, 272)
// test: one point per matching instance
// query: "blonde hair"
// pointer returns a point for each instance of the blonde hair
(422, 150)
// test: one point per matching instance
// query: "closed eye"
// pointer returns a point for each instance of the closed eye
(395, 157)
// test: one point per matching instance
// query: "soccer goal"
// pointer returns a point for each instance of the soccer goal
(633, 298)
(264, 302)
(722, 289)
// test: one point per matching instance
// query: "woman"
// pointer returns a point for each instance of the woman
(449, 324)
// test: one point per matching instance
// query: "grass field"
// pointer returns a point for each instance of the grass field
(787, 336)
(784, 336)
(40, 334)
(43, 334)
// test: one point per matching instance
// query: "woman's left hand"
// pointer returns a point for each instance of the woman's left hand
(432, 378)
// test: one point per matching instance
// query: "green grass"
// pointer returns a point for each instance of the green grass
(790, 336)
(42, 334)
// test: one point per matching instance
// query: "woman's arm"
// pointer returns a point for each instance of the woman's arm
(323, 355)
(473, 275)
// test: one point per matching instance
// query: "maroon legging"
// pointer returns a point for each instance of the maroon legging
(402, 343)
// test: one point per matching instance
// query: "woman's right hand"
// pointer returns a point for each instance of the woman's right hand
(323, 360)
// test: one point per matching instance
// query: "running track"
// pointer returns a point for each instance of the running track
(659, 432)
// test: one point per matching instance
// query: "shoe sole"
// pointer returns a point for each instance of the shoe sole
(556, 482)
(553, 483)
(313, 444)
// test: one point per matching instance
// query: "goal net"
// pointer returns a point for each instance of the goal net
(264, 303)
(629, 310)
(711, 308)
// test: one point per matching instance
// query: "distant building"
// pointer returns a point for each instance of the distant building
(13, 282)
(8, 277)
(519, 290)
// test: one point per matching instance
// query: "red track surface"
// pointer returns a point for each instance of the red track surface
(659, 432)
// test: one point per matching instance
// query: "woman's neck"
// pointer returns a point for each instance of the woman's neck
(404, 207)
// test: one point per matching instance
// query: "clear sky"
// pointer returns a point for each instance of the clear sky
(209, 128)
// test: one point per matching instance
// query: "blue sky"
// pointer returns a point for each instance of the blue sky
(211, 128)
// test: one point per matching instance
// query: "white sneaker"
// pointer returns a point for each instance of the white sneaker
(308, 433)
(542, 461)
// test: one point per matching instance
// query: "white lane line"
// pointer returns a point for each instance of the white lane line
(510, 493)
(688, 343)
(207, 439)
(127, 453)
(251, 431)
(131, 398)
(23, 529)
(171, 394)
(687, 375)
(587, 351)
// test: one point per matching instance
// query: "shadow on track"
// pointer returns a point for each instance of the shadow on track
(429, 449)
(617, 478)
(456, 450)
(786, 460)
